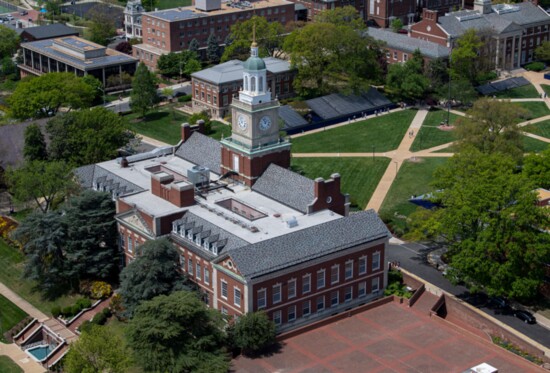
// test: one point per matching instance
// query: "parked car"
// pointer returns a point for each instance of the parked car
(9, 17)
(499, 302)
(525, 316)
(23, 12)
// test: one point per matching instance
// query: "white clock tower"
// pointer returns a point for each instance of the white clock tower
(255, 141)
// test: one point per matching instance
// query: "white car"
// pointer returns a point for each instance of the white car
(9, 17)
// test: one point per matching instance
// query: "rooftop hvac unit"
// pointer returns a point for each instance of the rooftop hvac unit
(208, 5)
(292, 222)
(199, 175)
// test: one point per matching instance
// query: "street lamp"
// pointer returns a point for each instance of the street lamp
(449, 96)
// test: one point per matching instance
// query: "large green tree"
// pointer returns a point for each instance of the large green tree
(144, 90)
(253, 332)
(212, 49)
(472, 56)
(543, 52)
(269, 37)
(97, 350)
(537, 168)
(75, 243)
(178, 333)
(332, 57)
(490, 223)
(88, 136)
(179, 64)
(45, 183)
(152, 273)
(408, 81)
(44, 95)
(102, 26)
(9, 40)
(461, 91)
(491, 127)
(342, 16)
(35, 145)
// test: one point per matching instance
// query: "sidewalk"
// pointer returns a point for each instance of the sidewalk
(22, 303)
(20, 358)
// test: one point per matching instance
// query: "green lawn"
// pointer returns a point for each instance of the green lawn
(10, 315)
(169, 4)
(7, 365)
(11, 275)
(531, 145)
(384, 133)
(360, 176)
(164, 124)
(414, 178)
(546, 88)
(527, 91)
(430, 135)
(540, 128)
(535, 109)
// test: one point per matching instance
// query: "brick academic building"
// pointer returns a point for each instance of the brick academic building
(252, 234)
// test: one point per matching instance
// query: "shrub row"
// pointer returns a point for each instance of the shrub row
(184, 98)
(71, 311)
(99, 319)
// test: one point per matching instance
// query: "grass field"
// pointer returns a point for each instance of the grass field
(7, 365)
(360, 176)
(535, 109)
(168, 4)
(430, 135)
(541, 128)
(11, 275)
(546, 88)
(164, 124)
(10, 315)
(527, 91)
(384, 133)
(531, 145)
(414, 178)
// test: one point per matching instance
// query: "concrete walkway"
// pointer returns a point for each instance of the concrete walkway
(22, 303)
(20, 358)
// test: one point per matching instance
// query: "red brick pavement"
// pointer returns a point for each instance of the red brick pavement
(389, 338)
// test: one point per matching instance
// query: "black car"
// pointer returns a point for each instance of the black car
(525, 316)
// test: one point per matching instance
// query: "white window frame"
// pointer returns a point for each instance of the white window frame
(348, 266)
(190, 268)
(306, 280)
(361, 289)
(291, 311)
(291, 289)
(332, 277)
(183, 260)
(261, 301)
(362, 265)
(321, 297)
(224, 289)
(279, 299)
(348, 293)
(277, 316)
(337, 293)
(198, 270)
(237, 296)
(376, 261)
(321, 275)
(375, 280)
(130, 245)
(206, 276)
(306, 305)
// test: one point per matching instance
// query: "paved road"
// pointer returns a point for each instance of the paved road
(412, 257)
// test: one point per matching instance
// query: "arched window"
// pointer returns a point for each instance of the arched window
(261, 84)
(246, 82)
(253, 84)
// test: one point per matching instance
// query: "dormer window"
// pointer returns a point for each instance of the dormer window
(190, 234)
(214, 249)
(174, 228)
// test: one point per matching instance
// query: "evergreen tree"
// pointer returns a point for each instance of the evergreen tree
(213, 49)
(194, 45)
(144, 91)
(152, 273)
(253, 332)
(35, 145)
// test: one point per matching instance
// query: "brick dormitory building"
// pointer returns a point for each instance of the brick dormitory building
(252, 234)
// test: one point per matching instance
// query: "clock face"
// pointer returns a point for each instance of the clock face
(242, 122)
(265, 123)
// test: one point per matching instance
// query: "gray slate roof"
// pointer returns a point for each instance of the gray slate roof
(408, 44)
(526, 14)
(54, 30)
(12, 142)
(232, 71)
(338, 105)
(287, 187)
(93, 173)
(307, 244)
(290, 117)
(203, 151)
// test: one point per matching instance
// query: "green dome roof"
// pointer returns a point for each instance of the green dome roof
(254, 64)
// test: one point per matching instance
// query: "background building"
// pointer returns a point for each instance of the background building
(132, 19)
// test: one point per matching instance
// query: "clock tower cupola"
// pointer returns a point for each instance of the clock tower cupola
(255, 142)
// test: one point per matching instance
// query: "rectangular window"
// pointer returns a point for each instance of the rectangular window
(405, 57)
(375, 285)
(335, 274)
(306, 284)
(182, 263)
(291, 288)
(277, 317)
(206, 276)
(362, 289)
(237, 296)
(320, 279)
(348, 295)
(375, 261)
(130, 245)
(236, 163)
(224, 289)
(190, 266)
(349, 269)
(261, 299)
(320, 303)
(276, 293)
(291, 313)
(395, 55)
(334, 298)
(306, 308)
(362, 265)
(199, 271)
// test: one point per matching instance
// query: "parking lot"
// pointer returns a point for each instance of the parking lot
(389, 338)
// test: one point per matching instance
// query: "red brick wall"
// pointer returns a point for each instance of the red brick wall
(199, 280)
(328, 196)
(229, 303)
(428, 29)
(254, 168)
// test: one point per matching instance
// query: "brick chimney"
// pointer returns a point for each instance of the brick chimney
(429, 15)
(185, 132)
(328, 196)
(180, 193)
